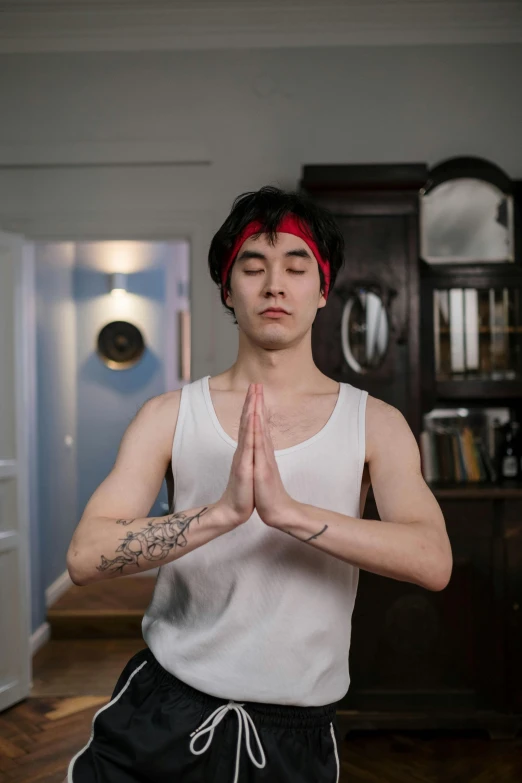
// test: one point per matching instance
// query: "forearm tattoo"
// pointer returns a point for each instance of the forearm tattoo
(315, 535)
(153, 543)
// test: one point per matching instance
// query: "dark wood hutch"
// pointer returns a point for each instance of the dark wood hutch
(421, 659)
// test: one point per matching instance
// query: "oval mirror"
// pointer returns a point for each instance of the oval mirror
(364, 330)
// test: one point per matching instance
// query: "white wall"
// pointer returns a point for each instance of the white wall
(255, 116)
(258, 116)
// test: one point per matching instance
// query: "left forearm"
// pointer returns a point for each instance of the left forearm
(409, 552)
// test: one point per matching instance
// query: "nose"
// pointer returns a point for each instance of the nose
(273, 283)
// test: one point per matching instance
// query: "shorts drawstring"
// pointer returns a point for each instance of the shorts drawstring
(243, 718)
(332, 732)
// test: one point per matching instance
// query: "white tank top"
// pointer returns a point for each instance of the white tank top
(255, 614)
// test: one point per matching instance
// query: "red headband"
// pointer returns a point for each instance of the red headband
(290, 225)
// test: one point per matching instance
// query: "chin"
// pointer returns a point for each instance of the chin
(272, 340)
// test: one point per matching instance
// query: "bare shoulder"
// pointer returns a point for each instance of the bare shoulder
(161, 413)
(386, 428)
(166, 402)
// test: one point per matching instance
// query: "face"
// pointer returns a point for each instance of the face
(284, 275)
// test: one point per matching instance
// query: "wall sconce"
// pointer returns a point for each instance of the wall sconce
(117, 284)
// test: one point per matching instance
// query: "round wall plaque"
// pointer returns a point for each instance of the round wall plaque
(120, 345)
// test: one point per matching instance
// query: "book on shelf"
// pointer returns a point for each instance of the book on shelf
(459, 446)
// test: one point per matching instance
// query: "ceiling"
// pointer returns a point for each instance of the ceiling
(146, 25)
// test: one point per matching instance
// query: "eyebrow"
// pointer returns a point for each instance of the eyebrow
(298, 253)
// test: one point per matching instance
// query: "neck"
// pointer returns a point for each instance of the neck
(284, 371)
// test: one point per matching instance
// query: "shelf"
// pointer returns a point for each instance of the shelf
(471, 491)
(481, 390)
(487, 330)
(477, 490)
(479, 275)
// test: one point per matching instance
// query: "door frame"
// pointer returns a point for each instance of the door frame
(191, 226)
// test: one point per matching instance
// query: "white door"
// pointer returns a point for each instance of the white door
(15, 358)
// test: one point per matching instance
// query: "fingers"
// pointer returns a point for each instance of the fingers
(258, 428)
(249, 436)
(245, 437)
(252, 421)
(262, 419)
(244, 413)
(263, 439)
(246, 404)
(256, 413)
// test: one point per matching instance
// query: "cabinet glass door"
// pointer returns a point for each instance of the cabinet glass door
(477, 333)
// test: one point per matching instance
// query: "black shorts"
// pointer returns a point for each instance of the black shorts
(158, 729)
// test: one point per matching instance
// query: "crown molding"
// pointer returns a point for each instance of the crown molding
(135, 25)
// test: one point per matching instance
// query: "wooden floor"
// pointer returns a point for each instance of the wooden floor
(73, 678)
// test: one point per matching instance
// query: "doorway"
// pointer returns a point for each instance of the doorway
(85, 401)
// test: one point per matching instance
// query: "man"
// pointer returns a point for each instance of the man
(249, 626)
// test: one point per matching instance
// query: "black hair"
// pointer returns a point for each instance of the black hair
(269, 205)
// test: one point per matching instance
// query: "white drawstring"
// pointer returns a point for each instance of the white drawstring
(243, 718)
(332, 732)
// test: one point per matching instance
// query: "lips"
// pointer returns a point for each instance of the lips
(275, 310)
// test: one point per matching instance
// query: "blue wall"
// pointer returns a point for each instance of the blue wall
(109, 399)
(56, 502)
(84, 407)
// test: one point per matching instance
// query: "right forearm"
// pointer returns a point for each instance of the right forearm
(98, 549)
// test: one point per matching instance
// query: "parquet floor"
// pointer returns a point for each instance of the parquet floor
(73, 678)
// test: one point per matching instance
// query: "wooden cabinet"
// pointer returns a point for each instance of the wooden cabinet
(448, 659)
(380, 229)
(420, 658)
(511, 552)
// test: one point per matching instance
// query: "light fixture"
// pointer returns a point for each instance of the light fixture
(117, 284)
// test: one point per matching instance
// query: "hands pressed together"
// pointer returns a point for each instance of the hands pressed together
(255, 481)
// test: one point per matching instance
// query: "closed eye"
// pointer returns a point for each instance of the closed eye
(256, 271)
